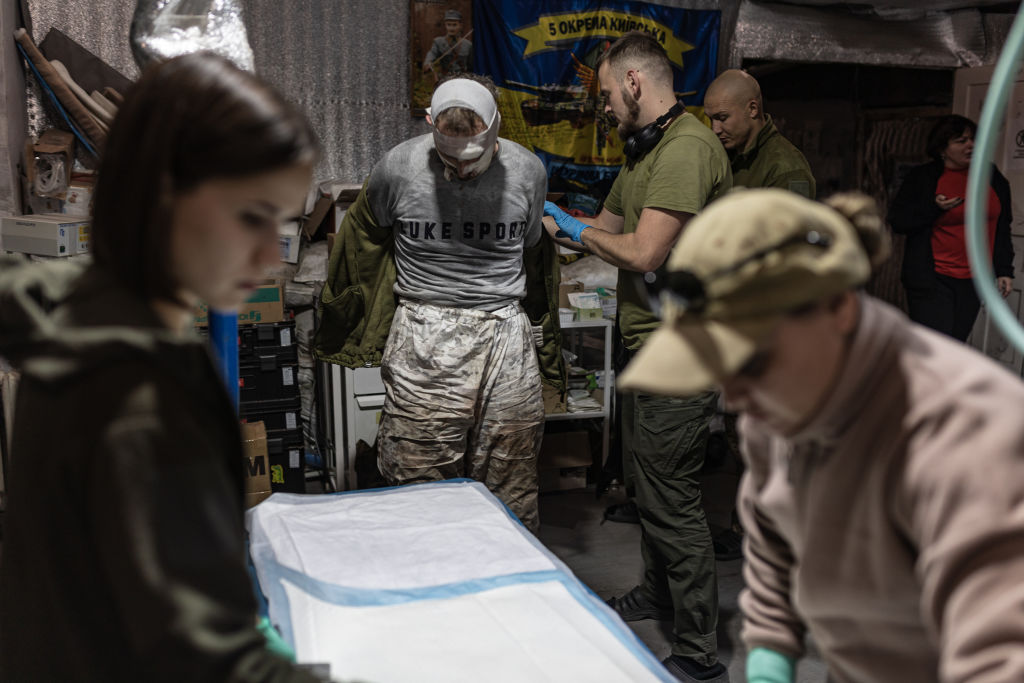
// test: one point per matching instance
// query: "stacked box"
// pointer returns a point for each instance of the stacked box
(564, 459)
(272, 337)
(267, 377)
(46, 235)
(269, 393)
(278, 416)
(255, 463)
(265, 305)
(287, 463)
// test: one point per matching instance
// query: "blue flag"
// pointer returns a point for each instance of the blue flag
(542, 57)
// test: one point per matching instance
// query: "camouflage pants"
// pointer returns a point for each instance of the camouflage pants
(463, 399)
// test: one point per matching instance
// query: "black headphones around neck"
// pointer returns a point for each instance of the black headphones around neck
(645, 139)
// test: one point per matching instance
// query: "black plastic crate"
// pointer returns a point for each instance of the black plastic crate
(267, 378)
(287, 461)
(266, 339)
(279, 415)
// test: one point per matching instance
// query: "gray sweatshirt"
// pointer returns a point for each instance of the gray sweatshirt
(892, 526)
(459, 242)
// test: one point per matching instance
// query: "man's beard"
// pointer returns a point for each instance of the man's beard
(630, 126)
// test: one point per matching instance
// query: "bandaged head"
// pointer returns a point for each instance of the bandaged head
(468, 94)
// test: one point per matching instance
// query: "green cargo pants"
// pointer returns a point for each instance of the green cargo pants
(664, 441)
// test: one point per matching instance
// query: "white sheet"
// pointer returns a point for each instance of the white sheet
(435, 582)
(395, 538)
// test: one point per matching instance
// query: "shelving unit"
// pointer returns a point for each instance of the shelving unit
(572, 333)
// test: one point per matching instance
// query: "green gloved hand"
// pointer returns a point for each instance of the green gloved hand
(769, 666)
(275, 643)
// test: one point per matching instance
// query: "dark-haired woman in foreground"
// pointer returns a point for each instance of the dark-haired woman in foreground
(123, 550)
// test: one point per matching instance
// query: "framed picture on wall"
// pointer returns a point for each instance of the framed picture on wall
(441, 43)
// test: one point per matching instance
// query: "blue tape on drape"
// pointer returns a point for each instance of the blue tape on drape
(273, 577)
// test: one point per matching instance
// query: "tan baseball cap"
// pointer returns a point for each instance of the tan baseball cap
(740, 266)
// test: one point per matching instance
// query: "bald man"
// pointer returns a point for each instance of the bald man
(759, 157)
(758, 154)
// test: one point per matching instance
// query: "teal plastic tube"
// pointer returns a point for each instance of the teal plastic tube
(978, 179)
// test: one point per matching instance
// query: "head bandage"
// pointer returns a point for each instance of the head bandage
(463, 92)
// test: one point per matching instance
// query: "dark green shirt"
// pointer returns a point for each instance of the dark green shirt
(684, 172)
(773, 161)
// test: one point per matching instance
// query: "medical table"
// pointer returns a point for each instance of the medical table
(432, 582)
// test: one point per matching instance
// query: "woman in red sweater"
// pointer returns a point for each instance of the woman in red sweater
(929, 209)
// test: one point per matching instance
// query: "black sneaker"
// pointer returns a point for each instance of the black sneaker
(634, 606)
(728, 545)
(687, 670)
(622, 512)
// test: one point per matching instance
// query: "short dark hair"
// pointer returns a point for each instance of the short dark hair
(944, 130)
(637, 47)
(187, 120)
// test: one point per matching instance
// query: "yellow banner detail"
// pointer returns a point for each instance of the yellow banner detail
(550, 30)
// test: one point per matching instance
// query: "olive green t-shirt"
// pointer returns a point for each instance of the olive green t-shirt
(773, 161)
(684, 172)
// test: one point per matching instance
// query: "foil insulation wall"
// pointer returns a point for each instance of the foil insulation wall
(345, 62)
(774, 31)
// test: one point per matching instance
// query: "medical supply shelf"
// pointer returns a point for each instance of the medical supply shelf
(355, 399)
(572, 339)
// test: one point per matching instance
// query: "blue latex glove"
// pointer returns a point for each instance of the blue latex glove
(769, 666)
(275, 643)
(567, 225)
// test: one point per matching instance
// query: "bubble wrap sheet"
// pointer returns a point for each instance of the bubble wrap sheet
(167, 28)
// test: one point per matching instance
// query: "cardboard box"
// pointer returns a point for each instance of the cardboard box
(317, 217)
(587, 313)
(45, 234)
(585, 305)
(333, 197)
(256, 463)
(560, 450)
(564, 289)
(565, 479)
(266, 305)
(52, 144)
(78, 201)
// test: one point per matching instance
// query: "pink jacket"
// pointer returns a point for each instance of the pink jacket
(892, 527)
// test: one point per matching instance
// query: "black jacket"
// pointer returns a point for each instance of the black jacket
(124, 543)
(913, 212)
